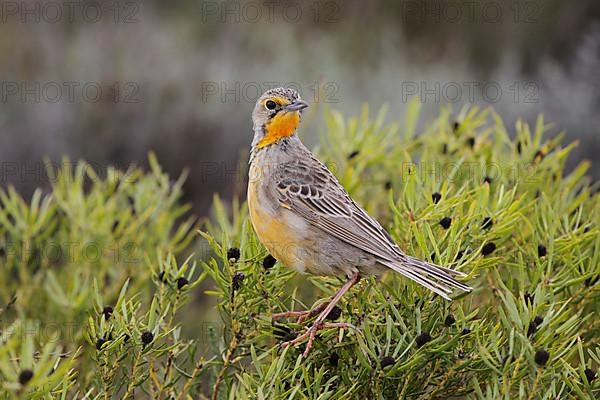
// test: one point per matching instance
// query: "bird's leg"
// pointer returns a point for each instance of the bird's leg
(301, 315)
(318, 324)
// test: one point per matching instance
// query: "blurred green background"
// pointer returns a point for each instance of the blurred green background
(109, 81)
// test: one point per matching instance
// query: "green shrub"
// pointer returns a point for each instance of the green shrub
(524, 229)
(66, 259)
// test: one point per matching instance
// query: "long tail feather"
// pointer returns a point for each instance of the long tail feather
(435, 278)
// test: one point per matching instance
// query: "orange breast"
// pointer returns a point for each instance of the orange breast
(275, 232)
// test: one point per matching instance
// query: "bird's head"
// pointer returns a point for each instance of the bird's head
(276, 116)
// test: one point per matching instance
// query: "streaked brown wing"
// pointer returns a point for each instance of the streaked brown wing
(313, 192)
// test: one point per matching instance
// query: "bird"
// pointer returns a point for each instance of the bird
(307, 220)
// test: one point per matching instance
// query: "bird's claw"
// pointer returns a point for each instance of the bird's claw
(311, 334)
(300, 316)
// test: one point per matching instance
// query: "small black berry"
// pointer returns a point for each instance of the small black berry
(589, 374)
(269, 262)
(386, 361)
(532, 328)
(446, 222)
(541, 357)
(461, 354)
(488, 248)
(161, 277)
(334, 314)
(541, 250)
(450, 320)
(107, 311)
(487, 223)
(147, 337)
(422, 339)
(353, 154)
(181, 282)
(471, 142)
(465, 331)
(237, 280)
(487, 180)
(436, 197)
(334, 359)
(233, 254)
(25, 376)
(528, 298)
(99, 343)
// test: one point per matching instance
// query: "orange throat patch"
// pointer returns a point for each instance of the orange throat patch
(282, 125)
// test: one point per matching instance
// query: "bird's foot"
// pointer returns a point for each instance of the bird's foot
(300, 315)
(311, 333)
(319, 323)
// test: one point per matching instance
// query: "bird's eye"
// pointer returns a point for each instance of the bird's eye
(270, 104)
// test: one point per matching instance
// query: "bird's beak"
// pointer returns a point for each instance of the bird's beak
(297, 105)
